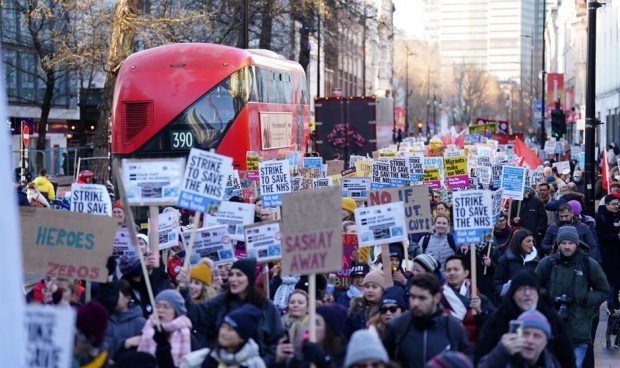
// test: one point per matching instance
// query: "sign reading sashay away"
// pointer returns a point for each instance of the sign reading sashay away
(311, 232)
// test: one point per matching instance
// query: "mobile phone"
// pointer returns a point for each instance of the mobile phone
(516, 327)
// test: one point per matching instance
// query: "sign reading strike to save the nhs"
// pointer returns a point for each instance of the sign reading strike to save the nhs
(91, 198)
(66, 244)
(205, 179)
(473, 216)
(275, 180)
(49, 342)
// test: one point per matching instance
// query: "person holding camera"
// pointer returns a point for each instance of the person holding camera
(577, 285)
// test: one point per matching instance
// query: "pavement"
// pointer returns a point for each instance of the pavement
(603, 357)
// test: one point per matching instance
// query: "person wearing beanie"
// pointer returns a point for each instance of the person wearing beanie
(365, 349)
(240, 290)
(363, 308)
(201, 277)
(450, 359)
(424, 263)
(235, 347)
(356, 289)
(174, 323)
(348, 209)
(526, 348)
(330, 343)
(91, 324)
(393, 304)
(578, 285)
(523, 295)
(118, 212)
(143, 243)
(399, 276)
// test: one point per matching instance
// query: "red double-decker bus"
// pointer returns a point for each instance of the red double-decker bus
(174, 97)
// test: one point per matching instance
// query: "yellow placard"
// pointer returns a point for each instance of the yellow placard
(455, 166)
(435, 144)
(252, 163)
(363, 168)
(387, 154)
(336, 179)
(432, 174)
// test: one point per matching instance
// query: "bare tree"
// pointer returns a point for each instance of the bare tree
(473, 94)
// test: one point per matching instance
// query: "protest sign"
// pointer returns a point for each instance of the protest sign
(513, 182)
(275, 180)
(168, 230)
(252, 159)
(312, 162)
(456, 172)
(382, 224)
(212, 242)
(562, 165)
(153, 181)
(380, 175)
(496, 175)
(322, 183)
(435, 162)
(343, 276)
(363, 168)
(233, 185)
(335, 167)
(248, 187)
(353, 159)
(204, 181)
(309, 173)
(484, 174)
(336, 179)
(356, 188)
(49, 336)
(296, 183)
(416, 169)
(437, 151)
(93, 199)
(122, 243)
(235, 215)
(263, 241)
(432, 177)
(399, 172)
(473, 216)
(416, 206)
(312, 232)
(66, 244)
(387, 154)
(497, 204)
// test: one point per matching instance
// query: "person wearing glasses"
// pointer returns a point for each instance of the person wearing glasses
(608, 233)
(392, 305)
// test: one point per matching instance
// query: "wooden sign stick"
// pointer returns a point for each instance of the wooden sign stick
(472, 275)
(192, 238)
(154, 230)
(312, 308)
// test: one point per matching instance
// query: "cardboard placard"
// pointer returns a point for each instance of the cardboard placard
(235, 215)
(312, 232)
(513, 182)
(417, 207)
(381, 224)
(275, 180)
(204, 181)
(263, 241)
(91, 198)
(363, 168)
(213, 242)
(335, 167)
(153, 182)
(356, 188)
(50, 336)
(168, 230)
(66, 244)
(473, 216)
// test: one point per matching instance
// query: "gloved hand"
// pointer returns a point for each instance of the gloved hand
(316, 355)
(111, 265)
(160, 337)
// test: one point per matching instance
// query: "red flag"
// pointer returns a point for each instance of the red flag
(459, 141)
(605, 172)
(526, 156)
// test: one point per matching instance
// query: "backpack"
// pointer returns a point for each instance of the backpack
(583, 264)
(427, 238)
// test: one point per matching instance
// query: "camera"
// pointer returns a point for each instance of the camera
(563, 302)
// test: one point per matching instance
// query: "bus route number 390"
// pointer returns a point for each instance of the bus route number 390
(181, 140)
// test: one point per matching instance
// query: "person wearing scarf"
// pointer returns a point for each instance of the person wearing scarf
(458, 301)
(502, 230)
(174, 323)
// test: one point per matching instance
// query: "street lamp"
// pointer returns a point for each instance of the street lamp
(409, 53)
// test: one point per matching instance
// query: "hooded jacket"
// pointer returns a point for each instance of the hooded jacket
(45, 187)
(123, 325)
(533, 215)
(509, 264)
(413, 341)
(584, 232)
(607, 230)
(567, 277)
(499, 358)
(497, 325)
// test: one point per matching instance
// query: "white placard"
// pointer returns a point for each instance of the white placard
(562, 165)
(322, 183)
(473, 216)
(91, 198)
(122, 243)
(356, 188)
(235, 215)
(263, 241)
(275, 180)
(381, 224)
(168, 230)
(416, 169)
(50, 336)
(153, 181)
(213, 242)
(204, 181)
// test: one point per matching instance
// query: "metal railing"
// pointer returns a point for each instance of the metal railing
(59, 161)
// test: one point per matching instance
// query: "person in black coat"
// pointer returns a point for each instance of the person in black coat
(608, 233)
(532, 215)
(486, 284)
(521, 254)
(524, 295)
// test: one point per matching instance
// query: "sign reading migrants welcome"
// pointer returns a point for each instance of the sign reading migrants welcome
(66, 244)
(312, 232)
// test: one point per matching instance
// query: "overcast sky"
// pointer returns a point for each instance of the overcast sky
(409, 17)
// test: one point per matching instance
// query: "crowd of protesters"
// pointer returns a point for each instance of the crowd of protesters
(540, 283)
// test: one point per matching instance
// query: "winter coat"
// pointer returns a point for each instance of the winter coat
(438, 247)
(45, 187)
(585, 235)
(486, 283)
(247, 357)
(352, 293)
(123, 325)
(472, 323)
(208, 316)
(413, 341)
(498, 323)
(499, 358)
(359, 314)
(567, 277)
(502, 236)
(607, 230)
(533, 215)
(509, 264)
(159, 281)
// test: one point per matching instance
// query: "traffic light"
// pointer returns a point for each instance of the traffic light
(420, 126)
(558, 122)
